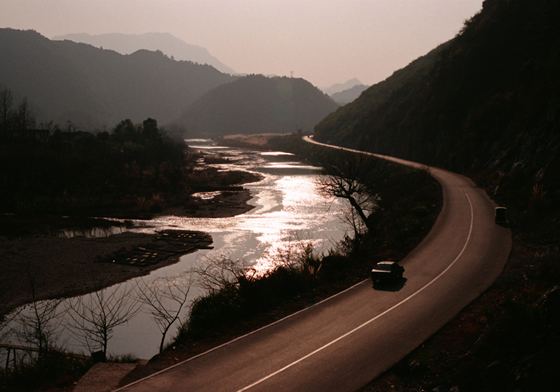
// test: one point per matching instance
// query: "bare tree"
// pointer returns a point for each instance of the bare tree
(299, 254)
(95, 316)
(5, 317)
(6, 101)
(165, 298)
(37, 326)
(24, 118)
(352, 219)
(353, 177)
(221, 272)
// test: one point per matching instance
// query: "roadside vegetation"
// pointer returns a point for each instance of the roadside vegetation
(240, 299)
(506, 340)
(53, 370)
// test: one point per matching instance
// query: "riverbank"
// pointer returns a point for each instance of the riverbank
(254, 142)
(507, 339)
(330, 286)
(346, 266)
(37, 264)
(46, 267)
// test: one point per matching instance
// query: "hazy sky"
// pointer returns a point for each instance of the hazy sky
(323, 41)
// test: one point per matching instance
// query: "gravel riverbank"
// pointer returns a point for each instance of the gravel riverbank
(37, 264)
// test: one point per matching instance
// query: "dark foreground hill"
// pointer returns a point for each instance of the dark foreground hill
(488, 104)
(90, 87)
(258, 104)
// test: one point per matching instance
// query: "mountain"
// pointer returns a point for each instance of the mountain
(486, 103)
(66, 81)
(258, 104)
(347, 96)
(164, 42)
(374, 104)
(339, 87)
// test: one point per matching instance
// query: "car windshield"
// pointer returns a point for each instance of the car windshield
(383, 267)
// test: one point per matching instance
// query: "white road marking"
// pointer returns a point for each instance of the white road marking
(376, 317)
(327, 299)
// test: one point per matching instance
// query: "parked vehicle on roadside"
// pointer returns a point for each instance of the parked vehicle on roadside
(387, 271)
(500, 216)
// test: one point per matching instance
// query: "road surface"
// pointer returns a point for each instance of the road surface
(346, 341)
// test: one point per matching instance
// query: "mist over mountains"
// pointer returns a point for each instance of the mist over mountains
(164, 42)
(343, 93)
(339, 87)
(79, 85)
(349, 95)
(67, 81)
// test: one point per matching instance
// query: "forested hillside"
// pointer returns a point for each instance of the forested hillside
(349, 121)
(90, 87)
(258, 104)
(487, 106)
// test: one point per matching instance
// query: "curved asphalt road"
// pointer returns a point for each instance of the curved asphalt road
(344, 342)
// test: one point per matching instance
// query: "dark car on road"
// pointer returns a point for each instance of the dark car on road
(500, 216)
(386, 271)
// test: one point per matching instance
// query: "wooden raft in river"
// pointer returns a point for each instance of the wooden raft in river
(167, 243)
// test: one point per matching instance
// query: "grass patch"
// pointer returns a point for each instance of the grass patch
(124, 358)
(51, 370)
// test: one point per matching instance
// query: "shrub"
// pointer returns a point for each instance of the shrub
(53, 369)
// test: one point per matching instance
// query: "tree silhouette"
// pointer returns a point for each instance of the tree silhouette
(36, 320)
(94, 317)
(353, 177)
(24, 118)
(166, 298)
(6, 102)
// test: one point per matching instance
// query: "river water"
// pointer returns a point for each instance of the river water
(288, 211)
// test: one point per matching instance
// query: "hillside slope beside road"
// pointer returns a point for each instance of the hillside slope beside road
(347, 340)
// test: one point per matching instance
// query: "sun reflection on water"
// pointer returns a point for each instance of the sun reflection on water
(288, 213)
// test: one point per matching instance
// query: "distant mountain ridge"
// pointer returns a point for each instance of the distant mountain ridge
(258, 104)
(339, 87)
(66, 81)
(350, 125)
(79, 85)
(164, 42)
(349, 95)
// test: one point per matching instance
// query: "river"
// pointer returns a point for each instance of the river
(288, 211)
